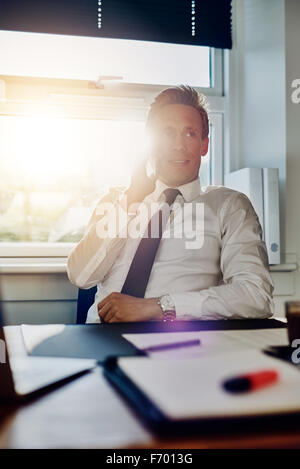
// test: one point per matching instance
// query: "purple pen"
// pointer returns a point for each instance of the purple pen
(174, 345)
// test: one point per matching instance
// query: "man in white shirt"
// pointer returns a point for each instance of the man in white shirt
(224, 276)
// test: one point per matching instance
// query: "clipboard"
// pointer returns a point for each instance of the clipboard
(158, 420)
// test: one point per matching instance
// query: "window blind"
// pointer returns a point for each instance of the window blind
(192, 22)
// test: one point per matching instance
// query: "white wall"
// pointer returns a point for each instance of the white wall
(261, 81)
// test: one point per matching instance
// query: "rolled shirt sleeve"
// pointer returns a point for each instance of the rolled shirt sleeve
(93, 256)
(246, 288)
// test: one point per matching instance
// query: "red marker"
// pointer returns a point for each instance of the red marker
(251, 381)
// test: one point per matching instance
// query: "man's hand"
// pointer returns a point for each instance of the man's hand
(141, 185)
(118, 307)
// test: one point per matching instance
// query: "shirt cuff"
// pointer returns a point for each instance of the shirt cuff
(188, 305)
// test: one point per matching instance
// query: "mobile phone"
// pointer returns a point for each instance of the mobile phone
(151, 168)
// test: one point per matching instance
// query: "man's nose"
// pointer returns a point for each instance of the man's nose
(179, 143)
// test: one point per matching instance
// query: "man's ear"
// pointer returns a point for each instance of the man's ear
(204, 146)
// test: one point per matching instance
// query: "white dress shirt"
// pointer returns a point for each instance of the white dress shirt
(226, 278)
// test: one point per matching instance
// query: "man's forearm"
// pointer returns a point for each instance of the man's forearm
(94, 255)
(238, 300)
(89, 262)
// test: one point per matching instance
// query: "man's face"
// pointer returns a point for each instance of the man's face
(177, 144)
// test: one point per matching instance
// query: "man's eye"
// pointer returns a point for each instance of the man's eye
(191, 133)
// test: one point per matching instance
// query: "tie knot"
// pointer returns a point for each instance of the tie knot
(171, 194)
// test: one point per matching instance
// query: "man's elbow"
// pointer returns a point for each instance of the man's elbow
(266, 311)
(263, 303)
(253, 300)
(74, 278)
(71, 275)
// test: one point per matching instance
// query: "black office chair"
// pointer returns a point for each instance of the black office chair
(85, 300)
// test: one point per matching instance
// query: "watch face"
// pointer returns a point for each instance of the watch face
(168, 308)
(167, 303)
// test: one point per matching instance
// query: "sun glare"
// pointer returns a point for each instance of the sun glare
(54, 170)
(44, 150)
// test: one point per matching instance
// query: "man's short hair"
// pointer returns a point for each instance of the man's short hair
(180, 95)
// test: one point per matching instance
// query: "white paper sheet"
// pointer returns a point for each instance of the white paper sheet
(211, 342)
(35, 335)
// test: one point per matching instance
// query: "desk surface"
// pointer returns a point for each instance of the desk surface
(89, 413)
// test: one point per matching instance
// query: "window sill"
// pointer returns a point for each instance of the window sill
(34, 250)
(33, 265)
(283, 267)
(36, 265)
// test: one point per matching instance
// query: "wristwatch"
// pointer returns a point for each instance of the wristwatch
(168, 308)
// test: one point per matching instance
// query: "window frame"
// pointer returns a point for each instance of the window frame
(126, 100)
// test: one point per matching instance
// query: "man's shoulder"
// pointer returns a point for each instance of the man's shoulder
(222, 199)
(221, 193)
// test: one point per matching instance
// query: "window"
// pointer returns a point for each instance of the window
(60, 150)
(56, 169)
(87, 58)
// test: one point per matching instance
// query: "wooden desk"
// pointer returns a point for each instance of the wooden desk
(88, 413)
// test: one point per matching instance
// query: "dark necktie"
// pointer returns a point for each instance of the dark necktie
(141, 265)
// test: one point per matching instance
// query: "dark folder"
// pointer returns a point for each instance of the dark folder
(99, 341)
(77, 341)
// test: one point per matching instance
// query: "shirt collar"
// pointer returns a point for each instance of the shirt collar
(189, 191)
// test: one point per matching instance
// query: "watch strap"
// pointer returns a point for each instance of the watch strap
(169, 313)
